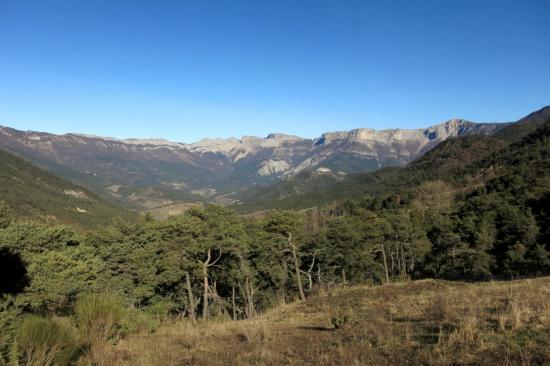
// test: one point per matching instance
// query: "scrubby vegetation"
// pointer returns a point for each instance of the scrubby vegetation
(91, 289)
(43, 341)
(427, 322)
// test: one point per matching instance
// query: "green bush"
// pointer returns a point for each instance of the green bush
(44, 342)
(135, 321)
(161, 308)
(339, 320)
(98, 317)
(10, 319)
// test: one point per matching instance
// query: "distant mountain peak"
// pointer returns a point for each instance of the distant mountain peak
(132, 141)
(282, 136)
(452, 127)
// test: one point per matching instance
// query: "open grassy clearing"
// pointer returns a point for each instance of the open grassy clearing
(422, 322)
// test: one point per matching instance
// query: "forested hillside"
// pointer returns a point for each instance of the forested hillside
(474, 209)
(35, 194)
(448, 161)
(523, 127)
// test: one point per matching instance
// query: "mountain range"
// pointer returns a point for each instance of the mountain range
(154, 173)
(455, 161)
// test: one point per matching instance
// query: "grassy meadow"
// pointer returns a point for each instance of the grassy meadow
(426, 322)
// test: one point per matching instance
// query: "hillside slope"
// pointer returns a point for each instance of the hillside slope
(33, 193)
(446, 161)
(456, 160)
(425, 322)
(525, 126)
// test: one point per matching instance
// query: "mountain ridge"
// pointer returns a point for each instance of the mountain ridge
(447, 160)
(355, 133)
(146, 173)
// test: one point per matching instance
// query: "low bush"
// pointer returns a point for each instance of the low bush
(10, 320)
(98, 317)
(135, 321)
(339, 319)
(440, 307)
(45, 342)
(253, 333)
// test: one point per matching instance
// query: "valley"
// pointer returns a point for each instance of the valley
(150, 174)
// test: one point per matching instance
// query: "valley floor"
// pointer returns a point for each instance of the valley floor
(424, 322)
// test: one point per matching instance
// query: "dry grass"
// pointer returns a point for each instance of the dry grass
(424, 322)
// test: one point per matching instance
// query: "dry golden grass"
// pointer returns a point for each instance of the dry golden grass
(415, 323)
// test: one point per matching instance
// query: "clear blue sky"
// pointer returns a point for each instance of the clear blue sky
(184, 70)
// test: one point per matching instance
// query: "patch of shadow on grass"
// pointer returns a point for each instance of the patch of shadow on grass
(317, 328)
(432, 334)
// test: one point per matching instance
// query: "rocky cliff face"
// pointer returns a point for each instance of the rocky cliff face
(362, 139)
(154, 172)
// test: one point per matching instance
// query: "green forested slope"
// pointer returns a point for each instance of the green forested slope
(453, 160)
(446, 161)
(525, 126)
(33, 193)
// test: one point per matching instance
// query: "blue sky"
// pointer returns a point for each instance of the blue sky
(184, 70)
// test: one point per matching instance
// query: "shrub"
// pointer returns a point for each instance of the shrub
(253, 333)
(135, 321)
(161, 308)
(44, 342)
(10, 319)
(98, 317)
(339, 319)
(440, 308)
